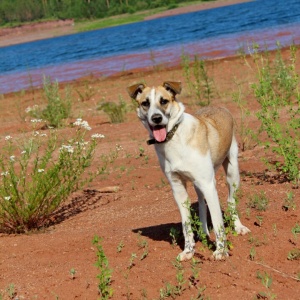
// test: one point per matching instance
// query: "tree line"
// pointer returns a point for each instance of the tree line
(18, 11)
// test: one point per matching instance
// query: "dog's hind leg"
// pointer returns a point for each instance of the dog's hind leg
(231, 168)
(182, 200)
(202, 210)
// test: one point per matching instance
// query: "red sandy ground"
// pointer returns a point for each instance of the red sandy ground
(39, 264)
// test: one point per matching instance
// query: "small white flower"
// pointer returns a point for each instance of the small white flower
(36, 133)
(43, 134)
(77, 122)
(7, 198)
(97, 136)
(67, 148)
(4, 173)
(12, 158)
(23, 152)
(8, 137)
(41, 170)
(36, 120)
(83, 124)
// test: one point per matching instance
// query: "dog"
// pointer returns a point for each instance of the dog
(192, 148)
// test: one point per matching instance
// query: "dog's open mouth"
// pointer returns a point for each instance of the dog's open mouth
(159, 133)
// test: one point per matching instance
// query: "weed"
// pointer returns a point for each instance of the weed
(143, 244)
(120, 247)
(131, 261)
(57, 109)
(296, 230)
(252, 253)
(259, 220)
(199, 83)
(258, 201)
(115, 111)
(265, 278)
(294, 254)
(11, 291)
(87, 93)
(174, 234)
(289, 202)
(105, 273)
(278, 94)
(72, 273)
(247, 136)
(38, 174)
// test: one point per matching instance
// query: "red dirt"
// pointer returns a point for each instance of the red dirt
(39, 264)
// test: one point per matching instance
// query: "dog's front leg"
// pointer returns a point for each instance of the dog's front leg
(210, 194)
(181, 197)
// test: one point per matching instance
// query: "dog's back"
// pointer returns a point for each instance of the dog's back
(217, 124)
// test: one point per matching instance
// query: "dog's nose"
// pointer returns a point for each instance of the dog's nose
(156, 118)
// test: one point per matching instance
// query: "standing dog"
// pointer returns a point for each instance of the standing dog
(192, 148)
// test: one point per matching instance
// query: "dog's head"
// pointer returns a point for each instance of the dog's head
(158, 108)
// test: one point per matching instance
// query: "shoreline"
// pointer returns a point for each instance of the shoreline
(49, 29)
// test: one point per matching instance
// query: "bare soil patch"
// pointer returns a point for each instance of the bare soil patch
(39, 264)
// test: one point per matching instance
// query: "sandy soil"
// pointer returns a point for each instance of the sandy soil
(38, 264)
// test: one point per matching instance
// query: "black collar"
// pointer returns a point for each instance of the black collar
(168, 137)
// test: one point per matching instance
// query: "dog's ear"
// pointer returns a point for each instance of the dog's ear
(135, 89)
(173, 86)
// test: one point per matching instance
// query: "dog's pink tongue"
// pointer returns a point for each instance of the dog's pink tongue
(160, 133)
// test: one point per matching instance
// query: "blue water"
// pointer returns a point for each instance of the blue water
(114, 49)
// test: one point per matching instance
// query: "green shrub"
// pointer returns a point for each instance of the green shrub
(57, 108)
(277, 92)
(39, 173)
(200, 85)
(115, 111)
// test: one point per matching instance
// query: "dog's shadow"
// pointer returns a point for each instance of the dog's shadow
(162, 232)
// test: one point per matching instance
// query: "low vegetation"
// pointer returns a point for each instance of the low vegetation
(20, 11)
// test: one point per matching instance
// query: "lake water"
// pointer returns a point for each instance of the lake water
(212, 33)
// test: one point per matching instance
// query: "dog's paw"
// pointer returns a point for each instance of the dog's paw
(220, 254)
(241, 229)
(185, 255)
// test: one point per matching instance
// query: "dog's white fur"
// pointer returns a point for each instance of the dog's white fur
(200, 145)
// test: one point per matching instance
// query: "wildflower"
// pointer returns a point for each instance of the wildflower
(67, 148)
(43, 134)
(23, 152)
(12, 158)
(4, 173)
(77, 122)
(36, 120)
(97, 136)
(8, 137)
(7, 198)
(36, 133)
(83, 124)
(41, 170)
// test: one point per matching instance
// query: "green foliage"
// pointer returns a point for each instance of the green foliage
(16, 11)
(258, 201)
(115, 111)
(105, 273)
(38, 174)
(294, 254)
(265, 278)
(277, 92)
(57, 109)
(199, 83)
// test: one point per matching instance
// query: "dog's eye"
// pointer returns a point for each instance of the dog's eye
(163, 101)
(146, 103)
